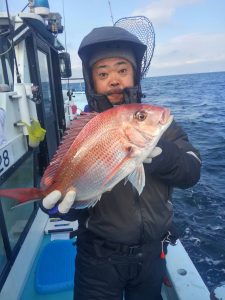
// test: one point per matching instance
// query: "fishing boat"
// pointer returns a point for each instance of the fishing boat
(35, 109)
(74, 97)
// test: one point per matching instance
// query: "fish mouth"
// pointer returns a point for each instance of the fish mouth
(167, 120)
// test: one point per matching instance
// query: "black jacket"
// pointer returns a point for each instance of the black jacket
(125, 217)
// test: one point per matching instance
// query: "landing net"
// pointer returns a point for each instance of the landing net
(143, 29)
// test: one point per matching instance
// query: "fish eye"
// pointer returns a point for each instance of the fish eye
(140, 115)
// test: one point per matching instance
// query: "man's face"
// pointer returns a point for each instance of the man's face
(111, 76)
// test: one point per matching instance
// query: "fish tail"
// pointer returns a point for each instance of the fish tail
(22, 195)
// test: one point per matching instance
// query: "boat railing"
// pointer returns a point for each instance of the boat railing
(74, 97)
(76, 84)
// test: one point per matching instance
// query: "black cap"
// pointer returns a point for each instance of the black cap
(108, 37)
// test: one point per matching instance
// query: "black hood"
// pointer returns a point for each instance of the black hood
(107, 37)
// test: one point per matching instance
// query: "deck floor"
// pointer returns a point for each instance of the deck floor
(29, 291)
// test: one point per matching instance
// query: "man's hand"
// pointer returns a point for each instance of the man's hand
(49, 203)
(155, 152)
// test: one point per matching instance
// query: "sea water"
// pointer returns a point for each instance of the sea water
(198, 103)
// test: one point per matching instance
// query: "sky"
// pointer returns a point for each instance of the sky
(189, 34)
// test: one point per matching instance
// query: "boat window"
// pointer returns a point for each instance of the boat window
(17, 218)
(3, 258)
(77, 87)
(48, 100)
(26, 73)
(1, 73)
(6, 73)
(46, 91)
(9, 72)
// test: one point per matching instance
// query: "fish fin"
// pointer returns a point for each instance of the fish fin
(115, 170)
(70, 135)
(132, 151)
(137, 178)
(22, 195)
(79, 204)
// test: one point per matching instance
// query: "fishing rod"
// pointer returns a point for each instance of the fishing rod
(110, 8)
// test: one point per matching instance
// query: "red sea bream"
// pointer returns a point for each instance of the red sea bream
(110, 147)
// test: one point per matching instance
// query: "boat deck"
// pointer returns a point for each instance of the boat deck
(29, 291)
(186, 281)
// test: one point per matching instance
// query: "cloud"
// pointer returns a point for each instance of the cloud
(190, 53)
(160, 12)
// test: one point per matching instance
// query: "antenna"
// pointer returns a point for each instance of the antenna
(11, 28)
(64, 23)
(111, 12)
(65, 40)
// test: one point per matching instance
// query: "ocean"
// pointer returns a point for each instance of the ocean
(198, 103)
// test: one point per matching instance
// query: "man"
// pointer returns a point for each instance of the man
(120, 248)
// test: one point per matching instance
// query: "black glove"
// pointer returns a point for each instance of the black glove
(166, 160)
(175, 166)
